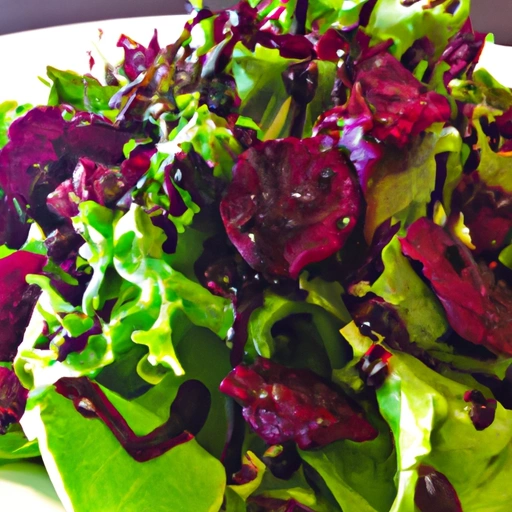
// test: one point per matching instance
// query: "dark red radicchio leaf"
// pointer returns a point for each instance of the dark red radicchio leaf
(42, 152)
(463, 52)
(13, 398)
(17, 298)
(291, 203)
(286, 404)
(435, 493)
(95, 182)
(331, 46)
(401, 105)
(188, 415)
(137, 58)
(356, 123)
(487, 212)
(477, 308)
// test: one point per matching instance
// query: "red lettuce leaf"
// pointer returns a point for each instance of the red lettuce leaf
(487, 212)
(137, 58)
(291, 203)
(17, 298)
(477, 308)
(463, 52)
(42, 152)
(95, 182)
(13, 398)
(402, 107)
(286, 404)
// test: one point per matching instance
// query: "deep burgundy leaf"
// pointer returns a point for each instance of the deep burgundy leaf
(285, 464)
(137, 58)
(13, 398)
(329, 46)
(42, 152)
(374, 365)
(291, 203)
(95, 182)
(463, 52)
(478, 308)
(487, 212)
(284, 404)
(17, 298)
(402, 107)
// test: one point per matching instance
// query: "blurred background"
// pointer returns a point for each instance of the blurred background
(17, 15)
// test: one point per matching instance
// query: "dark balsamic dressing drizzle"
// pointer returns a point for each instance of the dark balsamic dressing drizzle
(188, 415)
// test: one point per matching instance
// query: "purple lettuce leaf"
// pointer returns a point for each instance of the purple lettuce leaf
(17, 298)
(463, 52)
(13, 398)
(137, 58)
(42, 152)
(487, 212)
(291, 203)
(95, 182)
(286, 404)
(477, 307)
(402, 107)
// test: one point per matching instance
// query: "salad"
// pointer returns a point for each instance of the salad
(265, 268)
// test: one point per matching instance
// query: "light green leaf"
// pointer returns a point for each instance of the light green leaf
(431, 424)
(170, 298)
(108, 475)
(402, 184)
(82, 92)
(414, 301)
(405, 24)
(15, 445)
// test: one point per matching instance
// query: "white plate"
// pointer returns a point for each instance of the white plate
(24, 57)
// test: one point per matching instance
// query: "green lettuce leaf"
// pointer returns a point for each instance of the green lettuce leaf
(9, 111)
(196, 346)
(359, 475)
(96, 225)
(338, 13)
(319, 345)
(171, 299)
(183, 479)
(15, 445)
(261, 88)
(82, 92)
(402, 184)
(210, 136)
(416, 304)
(404, 24)
(431, 424)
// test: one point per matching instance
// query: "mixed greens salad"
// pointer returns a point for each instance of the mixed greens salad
(265, 268)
